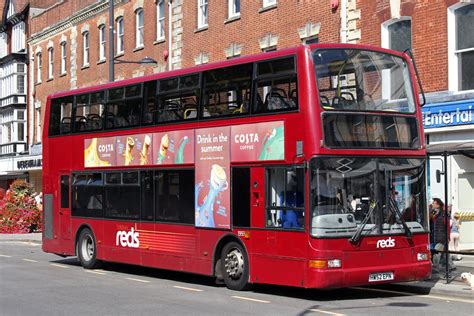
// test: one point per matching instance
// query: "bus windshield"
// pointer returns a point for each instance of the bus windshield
(385, 195)
(359, 80)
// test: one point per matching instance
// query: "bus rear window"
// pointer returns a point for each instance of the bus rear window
(60, 121)
(370, 131)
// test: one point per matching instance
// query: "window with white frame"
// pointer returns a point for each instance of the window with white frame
(18, 37)
(139, 27)
(267, 3)
(396, 35)
(39, 65)
(50, 63)
(160, 20)
(20, 84)
(120, 36)
(38, 124)
(63, 58)
(85, 49)
(102, 42)
(461, 47)
(234, 8)
(3, 44)
(202, 13)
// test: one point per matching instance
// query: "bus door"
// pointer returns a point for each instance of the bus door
(64, 207)
(285, 221)
(263, 240)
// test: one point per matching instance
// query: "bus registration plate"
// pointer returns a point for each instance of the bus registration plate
(383, 276)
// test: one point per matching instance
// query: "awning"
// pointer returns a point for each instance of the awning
(451, 148)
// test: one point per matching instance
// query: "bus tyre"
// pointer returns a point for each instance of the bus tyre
(86, 250)
(235, 266)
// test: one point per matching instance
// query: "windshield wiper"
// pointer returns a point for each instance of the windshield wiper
(358, 234)
(394, 208)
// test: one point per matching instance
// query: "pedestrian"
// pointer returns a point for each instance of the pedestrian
(438, 235)
(454, 240)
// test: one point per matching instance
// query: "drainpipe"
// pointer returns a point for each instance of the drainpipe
(170, 35)
(111, 41)
(343, 21)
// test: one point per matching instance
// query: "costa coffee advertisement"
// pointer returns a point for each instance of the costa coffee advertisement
(262, 141)
(99, 152)
(212, 176)
(134, 150)
(176, 147)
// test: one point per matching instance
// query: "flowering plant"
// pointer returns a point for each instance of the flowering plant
(19, 212)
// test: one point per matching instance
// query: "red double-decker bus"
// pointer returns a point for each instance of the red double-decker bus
(301, 167)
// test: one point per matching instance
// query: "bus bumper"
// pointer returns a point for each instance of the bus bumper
(340, 277)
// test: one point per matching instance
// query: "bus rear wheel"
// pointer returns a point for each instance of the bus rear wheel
(235, 266)
(87, 250)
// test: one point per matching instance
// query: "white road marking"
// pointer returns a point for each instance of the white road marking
(251, 299)
(29, 260)
(138, 280)
(5, 256)
(59, 265)
(435, 297)
(326, 312)
(187, 288)
(95, 272)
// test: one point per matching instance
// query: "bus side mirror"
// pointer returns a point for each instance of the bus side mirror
(438, 176)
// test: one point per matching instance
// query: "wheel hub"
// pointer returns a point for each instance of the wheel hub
(234, 264)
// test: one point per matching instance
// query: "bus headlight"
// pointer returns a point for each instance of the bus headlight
(421, 256)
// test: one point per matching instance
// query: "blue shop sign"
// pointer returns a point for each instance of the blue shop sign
(448, 114)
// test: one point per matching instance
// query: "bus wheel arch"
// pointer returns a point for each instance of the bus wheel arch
(231, 248)
(86, 248)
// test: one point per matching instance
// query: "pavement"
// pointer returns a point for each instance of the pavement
(436, 285)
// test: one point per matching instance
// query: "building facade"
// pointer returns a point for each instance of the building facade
(69, 43)
(13, 90)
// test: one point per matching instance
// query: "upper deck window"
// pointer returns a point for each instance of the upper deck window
(358, 80)
(60, 121)
(124, 107)
(227, 91)
(276, 86)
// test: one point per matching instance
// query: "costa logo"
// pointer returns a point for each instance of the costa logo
(127, 239)
(386, 243)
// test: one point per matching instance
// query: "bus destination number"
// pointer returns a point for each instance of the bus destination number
(384, 276)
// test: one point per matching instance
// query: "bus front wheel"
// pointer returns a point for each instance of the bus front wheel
(87, 250)
(235, 266)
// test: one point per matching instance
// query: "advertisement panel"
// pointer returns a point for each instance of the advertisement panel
(134, 150)
(99, 152)
(262, 141)
(176, 147)
(212, 176)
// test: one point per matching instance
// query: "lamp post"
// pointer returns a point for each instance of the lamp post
(111, 41)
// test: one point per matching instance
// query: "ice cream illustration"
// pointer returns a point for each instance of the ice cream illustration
(179, 158)
(91, 157)
(128, 151)
(145, 150)
(165, 142)
(273, 145)
(217, 183)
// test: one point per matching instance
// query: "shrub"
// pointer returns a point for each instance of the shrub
(18, 210)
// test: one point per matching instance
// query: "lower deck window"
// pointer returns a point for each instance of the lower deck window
(285, 198)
